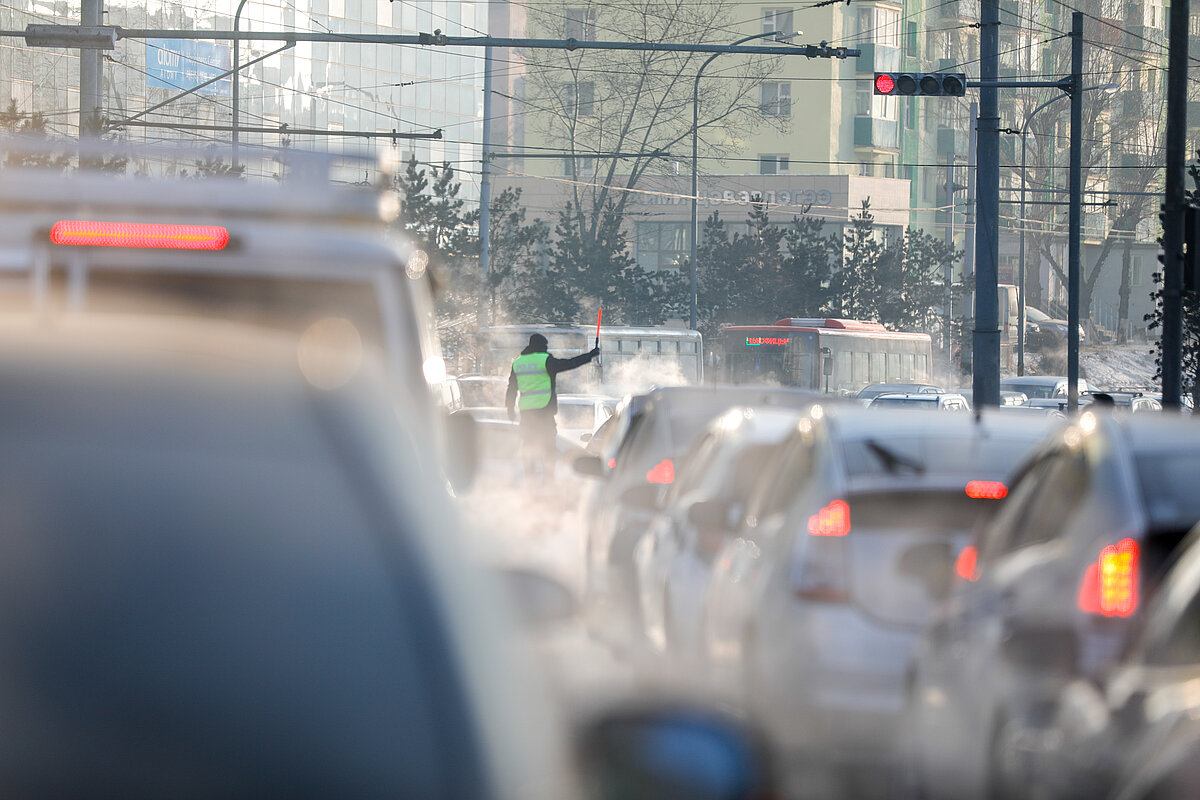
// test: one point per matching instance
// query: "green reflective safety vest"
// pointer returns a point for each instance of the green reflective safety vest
(533, 381)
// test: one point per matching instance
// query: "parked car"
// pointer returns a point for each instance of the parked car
(939, 401)
(869, 392)
(674, 559)
(1051, 591)
(657, 430)
(1133, 402)
(482, 391)
(1007, 398)
(824, 585)
(1104, 734)
(1042, 386)
(1038, 321)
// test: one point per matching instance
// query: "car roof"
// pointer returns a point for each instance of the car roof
(852, 422)
(1150, 433)
(1033, 380)
(721, 397)
(758, 425)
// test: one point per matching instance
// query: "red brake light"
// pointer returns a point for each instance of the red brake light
(966, 566)
(612, 463)
(139, 234)
(1109, 586)
(884, 84)
(662, 472)
(832, 520)
(986, 490)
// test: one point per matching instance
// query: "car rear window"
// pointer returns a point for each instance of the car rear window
(1168, 484)
(974, 458)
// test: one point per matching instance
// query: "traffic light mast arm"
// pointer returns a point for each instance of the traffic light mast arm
(1064, 84)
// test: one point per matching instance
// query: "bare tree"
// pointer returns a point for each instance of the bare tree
(595, 102)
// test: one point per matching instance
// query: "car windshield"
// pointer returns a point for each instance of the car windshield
(1032, 390)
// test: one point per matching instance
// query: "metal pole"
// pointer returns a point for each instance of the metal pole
(1173, 235)
(91, 81)
(947, 339)
(1075, 213)
(485, 193)
(969, 222)
(985, 359)
(694, 249)
(1021, 260)
(237, 19)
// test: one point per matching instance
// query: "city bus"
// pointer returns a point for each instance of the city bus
(632, 359)
(826, 355)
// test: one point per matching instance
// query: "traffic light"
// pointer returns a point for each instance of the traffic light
(928, 84)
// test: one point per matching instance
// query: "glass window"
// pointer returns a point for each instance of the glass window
(777, 20)
(776, 99)
(861, 371)
(878, 367)
(772, 165)
(579, 99)
(893, 366)
(580, 23)
(660, 245)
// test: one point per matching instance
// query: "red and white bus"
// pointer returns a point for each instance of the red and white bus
(827, 355)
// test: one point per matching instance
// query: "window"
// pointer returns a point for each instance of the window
(772, 165)
(580, 23)
(776, 99)
(862, 102)
(910, 115)
(912, 40)
(582, 166)
(777, 20)
(661, 245)
(879, 26)
(579, 99)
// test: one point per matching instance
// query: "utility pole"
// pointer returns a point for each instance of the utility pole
(91, 78)
(485, 192)
(947, 339)
(969, 224)
(1074, 212)
(985, 359)
(1172, 216)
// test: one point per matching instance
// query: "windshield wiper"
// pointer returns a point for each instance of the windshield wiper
(892, 461)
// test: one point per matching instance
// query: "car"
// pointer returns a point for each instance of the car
(655, 431)
(674, 559)
(939, 401)
(825, 582)
(1132, 401)
(1105, 733)
(1041, 386)
(581, 415)
(1038, 321)
(500, 462)
(869, 392)
(1006, 398)
(1051, 591)
(229, 578)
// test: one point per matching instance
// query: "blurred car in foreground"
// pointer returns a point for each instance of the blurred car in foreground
(226, 578)
(1108, 733)
(1050, 591)
(674, 559)
(872, 390)
(824, 585)
(932, 401)
(658, 428)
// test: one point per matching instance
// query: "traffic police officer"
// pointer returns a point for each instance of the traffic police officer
(532, 377)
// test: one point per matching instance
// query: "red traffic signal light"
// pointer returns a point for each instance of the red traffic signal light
(927, 84)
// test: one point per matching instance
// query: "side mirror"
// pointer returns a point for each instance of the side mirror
(541, 601)
(932, 564)
(672, 754)
(1048, 650)
(589, 465)
(713, 516)
(462, 450)
(644, 497)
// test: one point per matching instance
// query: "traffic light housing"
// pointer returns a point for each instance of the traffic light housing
(925, 84)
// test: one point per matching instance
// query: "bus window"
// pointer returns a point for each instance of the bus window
(843, 375)
(922, 367)
(861, 377)
(910, 366)
(879, 368)
(894, 368)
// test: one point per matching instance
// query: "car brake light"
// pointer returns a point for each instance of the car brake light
(612, 463)
(966, 566)
(832, 520)
(986, 490)
(662, 472)
(1109, 586)
(91, 233)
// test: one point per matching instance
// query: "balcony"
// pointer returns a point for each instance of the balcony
(957, 10)
(876, 134)
(878, 58)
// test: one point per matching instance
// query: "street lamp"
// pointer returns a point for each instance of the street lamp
(1108, 88)
(695, 148)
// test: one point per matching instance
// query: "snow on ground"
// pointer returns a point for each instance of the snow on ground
(1112, 366)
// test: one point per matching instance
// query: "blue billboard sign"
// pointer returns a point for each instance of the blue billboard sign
(183, 64)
